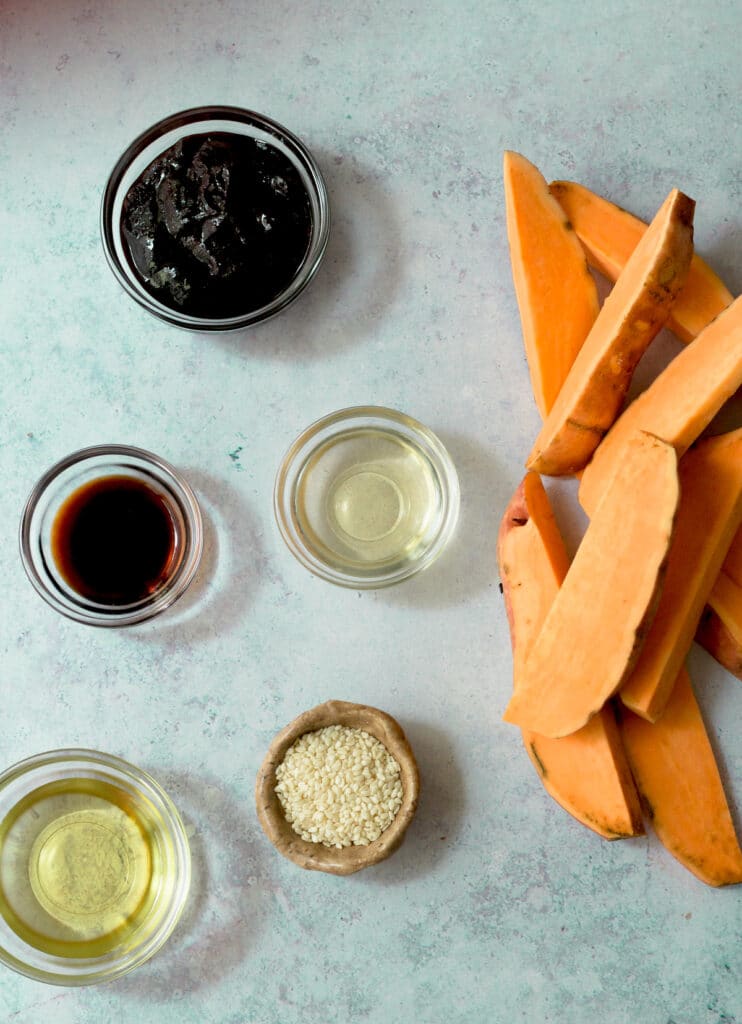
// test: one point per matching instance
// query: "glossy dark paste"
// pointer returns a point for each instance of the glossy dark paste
(218, 225)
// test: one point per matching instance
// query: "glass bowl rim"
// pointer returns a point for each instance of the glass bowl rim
(128, 615)
(247, 119)
(316, 434)
(142, 781)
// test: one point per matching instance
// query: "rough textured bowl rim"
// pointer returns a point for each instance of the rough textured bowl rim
(315, 856)
(318, 433)
(240, 119)
(93, 970)
(127, 615)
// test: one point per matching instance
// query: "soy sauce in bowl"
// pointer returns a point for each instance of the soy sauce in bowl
(113, 540)
(111, 535)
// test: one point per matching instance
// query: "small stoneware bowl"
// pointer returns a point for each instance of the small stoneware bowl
(316, 856)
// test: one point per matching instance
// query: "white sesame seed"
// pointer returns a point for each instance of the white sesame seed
(339, 786)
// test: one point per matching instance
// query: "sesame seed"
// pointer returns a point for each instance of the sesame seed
(339, 786)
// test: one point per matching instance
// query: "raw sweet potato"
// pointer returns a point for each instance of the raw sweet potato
(703, 532)
(681, 401)
(556, 293)
(533, 562)
(593, 631)
(632, 315)
(587, 772)
(676, 773)
(733, 562)
(609, 235)
(719, 642)
(726, 600)
(726, 594)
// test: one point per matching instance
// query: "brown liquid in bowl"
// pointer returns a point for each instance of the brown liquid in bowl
(113, 540)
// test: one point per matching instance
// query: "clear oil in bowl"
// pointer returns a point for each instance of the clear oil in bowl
(83, 868)
(368, 498)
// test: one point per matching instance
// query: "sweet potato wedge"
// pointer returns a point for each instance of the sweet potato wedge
(703, 532)
(632, 315)
(557, 296)
(592, 633)
(719, 641)
(677, 776)
(587, 772)
(726, 594)
(733, 562)
(679, 404)
(726, 600)
(610, 234)
(533, 562)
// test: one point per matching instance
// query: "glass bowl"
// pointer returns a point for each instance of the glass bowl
(201, 121)
(52, 495)
(344, 860)
(94, 867)
(366, 497)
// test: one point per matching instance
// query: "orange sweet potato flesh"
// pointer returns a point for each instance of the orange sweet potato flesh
(593, 631)
(676, 773)
(726, 594)
(556, 293)
(609, 235)
(679, 403)
(726, 600)
(720, 642)
(632, 315)
(709, 513)
(587, 772)
(733, 562)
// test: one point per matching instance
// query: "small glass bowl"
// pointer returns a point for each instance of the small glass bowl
(62, 480)
(54, 786)
(366, 497)
(198, 121)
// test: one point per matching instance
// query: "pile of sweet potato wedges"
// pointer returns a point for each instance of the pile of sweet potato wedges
(601, 692)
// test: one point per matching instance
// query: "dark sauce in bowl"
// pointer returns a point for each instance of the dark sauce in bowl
(217, 226)
(113, 540)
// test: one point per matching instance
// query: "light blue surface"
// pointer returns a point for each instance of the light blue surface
(498, 907)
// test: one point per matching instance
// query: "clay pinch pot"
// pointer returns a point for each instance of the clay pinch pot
(316, 856)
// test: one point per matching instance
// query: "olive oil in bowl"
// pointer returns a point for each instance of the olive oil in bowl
(94, 870)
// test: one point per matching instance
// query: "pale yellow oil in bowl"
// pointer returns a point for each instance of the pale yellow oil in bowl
(80, 872)
(368, 498)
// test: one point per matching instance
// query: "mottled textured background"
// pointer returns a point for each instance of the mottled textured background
(498, 908)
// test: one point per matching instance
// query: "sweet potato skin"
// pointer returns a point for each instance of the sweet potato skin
(610, 234)
(529, 510)
(586, 773)
(632, 315)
